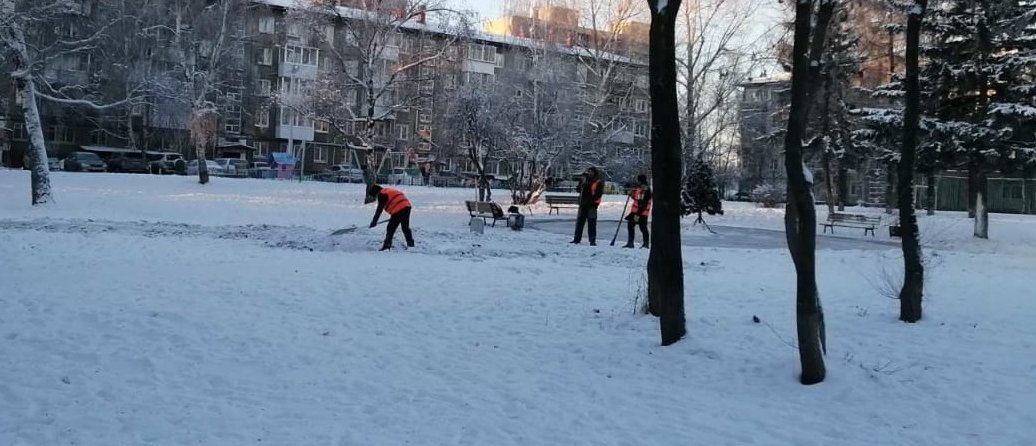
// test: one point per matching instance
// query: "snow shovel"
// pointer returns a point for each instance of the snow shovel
(352, 229)
(620, 220)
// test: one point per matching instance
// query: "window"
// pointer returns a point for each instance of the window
(19, 133)
(81, 62)
(395, 40)
(263, 87)
(642, 81)
(481, 52)
(266, 25)
(640, 105)
(265, 56)
(291, 85)
(232, 127)
(319, 153)
(352, 68)
(293, 118)
(640, 128)
(294, 30)
(99, 138)
(262, 148)
(329, 34)
(424, 118)
(59, 133)
(262, 119)
(321, 126)
(403, 131)
(301, 55)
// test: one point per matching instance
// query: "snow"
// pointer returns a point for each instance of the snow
(153, 310)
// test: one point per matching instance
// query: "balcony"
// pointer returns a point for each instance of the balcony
(296, 70)
(294, 132)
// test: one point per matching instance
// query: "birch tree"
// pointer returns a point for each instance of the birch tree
(40, 43)
(476, 124)
(665, 261)
(382, 59)
(717, 54)
(545, 124)
(206, 41)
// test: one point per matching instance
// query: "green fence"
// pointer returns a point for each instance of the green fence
(1006, 195)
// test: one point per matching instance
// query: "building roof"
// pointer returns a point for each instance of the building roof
(522, 42)
(779, 78)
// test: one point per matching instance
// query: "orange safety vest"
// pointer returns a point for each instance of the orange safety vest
(593, 191)
(396, 201)
(637, 193)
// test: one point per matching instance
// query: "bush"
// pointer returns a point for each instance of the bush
(767, 195)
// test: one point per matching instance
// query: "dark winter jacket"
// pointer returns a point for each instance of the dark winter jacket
(591, 191)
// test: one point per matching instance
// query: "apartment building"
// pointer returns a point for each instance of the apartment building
(263, 101)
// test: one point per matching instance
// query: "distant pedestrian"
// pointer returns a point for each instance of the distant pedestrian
(591, 191)
(639, 213)
(398, 207)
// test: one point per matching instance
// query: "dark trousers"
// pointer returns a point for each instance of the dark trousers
(631, 226)
(401, 218)
(587, 217)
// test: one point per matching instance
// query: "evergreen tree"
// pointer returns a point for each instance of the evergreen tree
(978, 75)
(700, 194)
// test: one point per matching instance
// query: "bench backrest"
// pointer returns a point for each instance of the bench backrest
(479, 207)
(562, 199)
(836, 217)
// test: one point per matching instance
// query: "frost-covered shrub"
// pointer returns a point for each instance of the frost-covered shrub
(767, 195)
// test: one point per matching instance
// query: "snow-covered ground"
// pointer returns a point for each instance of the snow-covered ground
(153, 310)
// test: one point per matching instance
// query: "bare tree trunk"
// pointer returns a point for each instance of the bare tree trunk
(800, 216)
(913, 270)
(972, 189)
(665, 262)
(930, 194)
(39, 170)
(843, 185)
(890, 188)
(981, 205)
(203, 166)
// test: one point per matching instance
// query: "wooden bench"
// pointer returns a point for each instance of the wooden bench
(484, 210)
(865, 222)
(556, 202)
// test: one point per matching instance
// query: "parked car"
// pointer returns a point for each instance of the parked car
(232, 165)
(128, 162)
(85, 162)
(343, 173)
(742, 196)
(400, 175)
(53, 163)
(213, 167)
(163, 163)
(260, 169)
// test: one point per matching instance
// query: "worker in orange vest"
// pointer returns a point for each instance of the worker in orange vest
(591, 190)
(398, 207)
(638, 216)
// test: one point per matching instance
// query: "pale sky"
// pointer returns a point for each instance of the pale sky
(486, 9)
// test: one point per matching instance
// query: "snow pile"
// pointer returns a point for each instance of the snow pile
(152, 310)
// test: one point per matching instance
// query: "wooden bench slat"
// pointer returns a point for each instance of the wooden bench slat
(866, 222)
(483, 210)
(556, 202)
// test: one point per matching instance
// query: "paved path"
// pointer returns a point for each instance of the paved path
(725, 237)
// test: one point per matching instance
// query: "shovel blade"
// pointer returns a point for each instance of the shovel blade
(346, 230)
